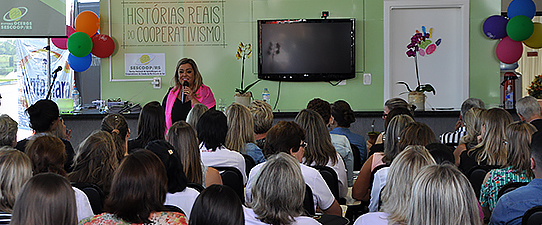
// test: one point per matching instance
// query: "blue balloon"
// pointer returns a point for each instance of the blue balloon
(495, 27)
(79, 64)
(521, 7)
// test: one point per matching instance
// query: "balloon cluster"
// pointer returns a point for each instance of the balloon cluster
(514, 30)
(84, 41)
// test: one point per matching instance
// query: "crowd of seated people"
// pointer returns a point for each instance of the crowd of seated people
(176, 175)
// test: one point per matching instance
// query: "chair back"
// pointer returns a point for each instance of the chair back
(172, 208)
(233, 178)
(533, 216)
(196, 186)
(308, 202)
(476, 177)
(249, 163)
(331, 179)
(357, 157)
(94, 194)
(510, 187)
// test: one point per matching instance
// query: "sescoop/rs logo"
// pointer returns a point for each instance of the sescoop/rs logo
(15, 14)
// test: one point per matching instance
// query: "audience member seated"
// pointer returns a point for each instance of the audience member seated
(240, 136)
(116, 125)
(15, 170)
(491, 151)
(379, 145)
(178, 194)
(278, 193)
(343, 116)
(453, 138)
(96, 161)
(441, 153)
(362, 187)
(288, 137)
(44, 118)
(389, 106)
(183, 138)
(441, 194)
(195, 113)
(401, 172)
(218, 204)
(473, 124)
(8, 131)
(46, 199)
(150, 126)
(528, 110)
(262, 114)
(516, 169)
(511, 206)
(138, 193)
(319, 150)
(416, 134)
(47, 154)
(340, 142)
(212, 129)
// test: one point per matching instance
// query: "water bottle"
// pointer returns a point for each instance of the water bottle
(265, 96)
(76, 99)
(509, 98)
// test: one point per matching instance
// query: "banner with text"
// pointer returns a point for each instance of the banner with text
(145, 64)
(173, 23)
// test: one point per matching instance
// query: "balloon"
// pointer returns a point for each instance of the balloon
(79, 64)
(87, 22)
(79, 44)
(535, 41)
(520, 28)
(509, 51)
(62, 42)
(521, 7)
(495, 27)
(102, 46)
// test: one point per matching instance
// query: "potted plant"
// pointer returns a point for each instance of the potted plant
(420, 44)
(242, 94)
(535, 89)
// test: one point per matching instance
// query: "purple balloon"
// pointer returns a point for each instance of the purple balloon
(521, 7)
(495, 27)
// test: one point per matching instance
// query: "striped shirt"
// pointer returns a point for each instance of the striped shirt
(452, 138)
(5, 218)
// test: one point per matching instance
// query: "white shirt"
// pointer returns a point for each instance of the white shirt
(84, 209)
(321, 194)
(340, 170)
(223, 157)
(250, 219)
(379, 182)
(184, 200)
(374, 218)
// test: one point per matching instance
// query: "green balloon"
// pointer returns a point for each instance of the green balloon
(520, 28)
(79, 44)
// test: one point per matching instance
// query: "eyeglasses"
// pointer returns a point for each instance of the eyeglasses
(384, 115)
(303, 144)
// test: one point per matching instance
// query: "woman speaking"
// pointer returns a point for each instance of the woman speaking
(188, 91)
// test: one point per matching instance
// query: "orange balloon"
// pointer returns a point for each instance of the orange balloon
(87, 22)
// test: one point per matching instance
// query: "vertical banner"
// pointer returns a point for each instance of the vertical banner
(33, 80)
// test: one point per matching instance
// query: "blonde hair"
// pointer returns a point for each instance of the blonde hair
(393, 131)
(183, 137)
(473, 122)
(518, 138)
(396, 193)
(8, 130)
(442, 195)
(15, 170)
(262, 115)
(194, 114)
(240, 128)
(492, 147)
(319, 149)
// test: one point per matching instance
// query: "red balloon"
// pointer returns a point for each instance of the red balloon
(509, 51)
(102, 45)
(62, 42)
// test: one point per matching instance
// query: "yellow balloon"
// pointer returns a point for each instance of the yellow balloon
(535, 41)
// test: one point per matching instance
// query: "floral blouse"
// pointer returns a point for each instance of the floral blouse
(497, 179)
(161, 218)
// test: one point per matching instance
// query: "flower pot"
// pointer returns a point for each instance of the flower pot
(417, 99)
(243, 99)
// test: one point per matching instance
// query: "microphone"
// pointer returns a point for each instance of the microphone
(58, 69)
(185, 84)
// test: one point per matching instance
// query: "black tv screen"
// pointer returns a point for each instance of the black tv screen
(306, 49)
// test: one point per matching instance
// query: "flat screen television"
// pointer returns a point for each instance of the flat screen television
(306, 49)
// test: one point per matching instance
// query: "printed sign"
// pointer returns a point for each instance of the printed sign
(145, 64)
(24, 18)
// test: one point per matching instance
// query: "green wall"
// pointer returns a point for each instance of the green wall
(221, 71)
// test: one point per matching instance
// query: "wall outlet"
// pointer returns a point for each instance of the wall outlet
(367, 79)
(157, 82)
